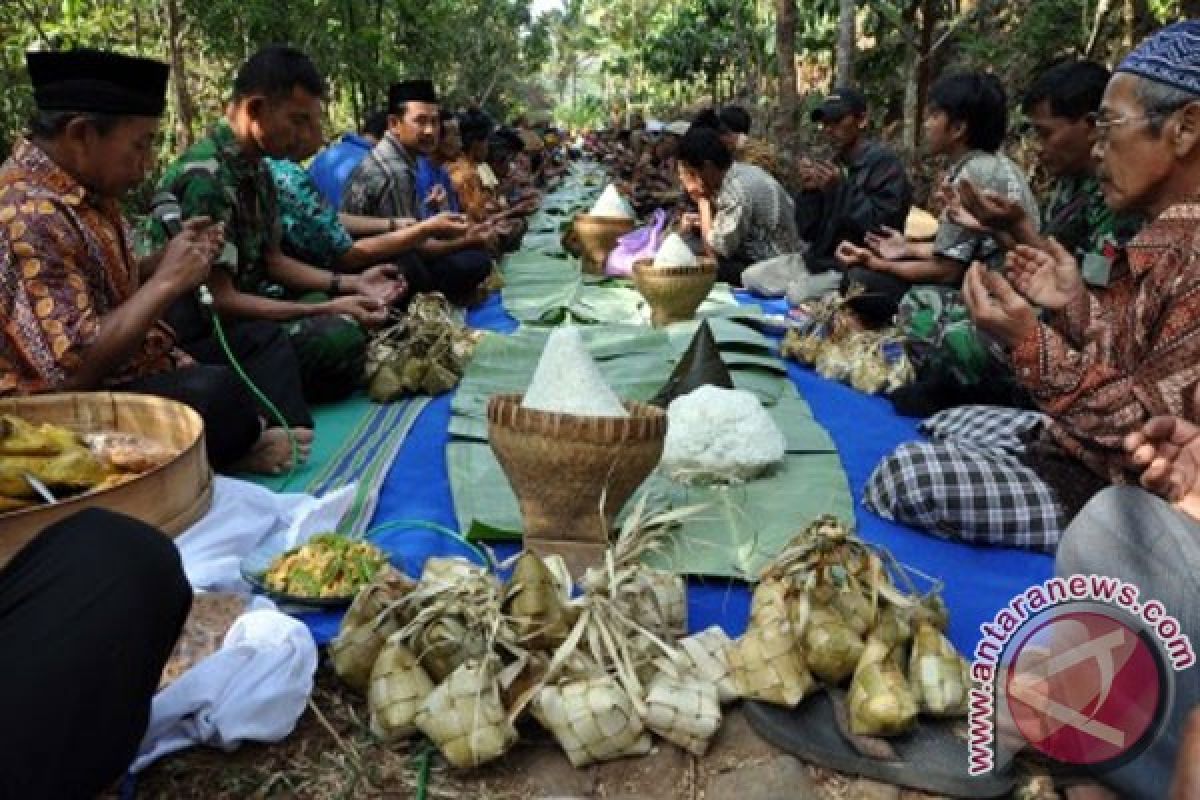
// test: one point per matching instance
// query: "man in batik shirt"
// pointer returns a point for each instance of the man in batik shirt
(1106, 359)
(79, 311)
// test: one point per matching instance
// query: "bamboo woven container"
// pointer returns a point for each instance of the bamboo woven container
(596, 237)
(674, 293)
(572, 474)
(170, 498)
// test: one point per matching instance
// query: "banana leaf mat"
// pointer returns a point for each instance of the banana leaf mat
(355, 441)
(744, 526)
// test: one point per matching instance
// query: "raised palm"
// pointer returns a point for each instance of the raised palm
(1048, 278)
(991, 209)
(1167, 449)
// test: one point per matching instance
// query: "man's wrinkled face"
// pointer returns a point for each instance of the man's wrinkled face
(119, 160)
(1134, 162)
(417, 128)
(1064, 145)
(285, 126)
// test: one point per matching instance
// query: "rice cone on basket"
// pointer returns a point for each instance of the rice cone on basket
(593, 720)
(831, 647)
(355, 649)
(465, 718)
(938, 674)
(683, 710)
(398, 688)
(880, 701)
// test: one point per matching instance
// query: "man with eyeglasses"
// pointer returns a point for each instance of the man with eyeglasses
(1105, 360)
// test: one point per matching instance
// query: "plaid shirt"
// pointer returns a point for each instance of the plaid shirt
(65, 263)
(1124, 353)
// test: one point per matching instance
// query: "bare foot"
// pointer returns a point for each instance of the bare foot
(272, 453)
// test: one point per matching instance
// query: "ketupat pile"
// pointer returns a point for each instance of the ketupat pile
(426, 352)
(826, 608)
(460, 657)
(870, 361)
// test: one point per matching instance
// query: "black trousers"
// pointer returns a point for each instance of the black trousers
(262, 348)
(89, 613)
(881, 296)
(456, 275)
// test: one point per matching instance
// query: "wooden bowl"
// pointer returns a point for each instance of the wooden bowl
(171, 497)
(572, 474)
(596, 237)
(674, 293)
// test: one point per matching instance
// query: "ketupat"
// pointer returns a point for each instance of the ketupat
(533, 598)
(398, 688)
(880, 701)
(684, 710)
(465, 718)
(938, 674)
(831, 647)
(593, 720)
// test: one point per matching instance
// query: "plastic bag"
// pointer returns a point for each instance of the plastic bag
(636, 245)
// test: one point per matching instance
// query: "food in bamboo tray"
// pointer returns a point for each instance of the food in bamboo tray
(66, 462)
(675, 252)
(717, 435)
(567, 380)
(426, 352)
(327, 565)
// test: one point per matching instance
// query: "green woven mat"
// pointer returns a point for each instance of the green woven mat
(744, 527)
(356, 441)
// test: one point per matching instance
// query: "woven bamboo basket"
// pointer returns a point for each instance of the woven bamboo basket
(171, 497)
(674, 293)
(572, 474)
(596, 237)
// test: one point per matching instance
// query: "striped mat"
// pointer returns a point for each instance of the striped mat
(356, 442)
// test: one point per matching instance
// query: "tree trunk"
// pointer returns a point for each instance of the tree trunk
(846, 42)
(925, 60)
(785, 55)
(912, 83)
(185, 110)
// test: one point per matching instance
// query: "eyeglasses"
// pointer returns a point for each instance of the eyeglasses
(1104, 123)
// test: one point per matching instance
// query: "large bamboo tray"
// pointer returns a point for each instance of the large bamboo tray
(170, 498)
(596, 237)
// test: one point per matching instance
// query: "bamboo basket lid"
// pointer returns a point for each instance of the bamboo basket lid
(171, 497)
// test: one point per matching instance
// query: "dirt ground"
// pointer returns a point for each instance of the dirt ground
(332, 754)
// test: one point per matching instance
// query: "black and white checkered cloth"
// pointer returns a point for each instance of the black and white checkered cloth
(968, 481)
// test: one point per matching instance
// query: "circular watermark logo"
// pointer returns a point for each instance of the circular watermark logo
(1087, 686)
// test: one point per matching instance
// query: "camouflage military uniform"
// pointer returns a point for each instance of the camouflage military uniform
(214, 179)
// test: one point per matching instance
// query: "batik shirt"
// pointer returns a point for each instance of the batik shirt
(753, 218)
(311, 229)
(1124, 353)
(214, 179)
(65, 262)
(385, 185)
(1082, 222)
